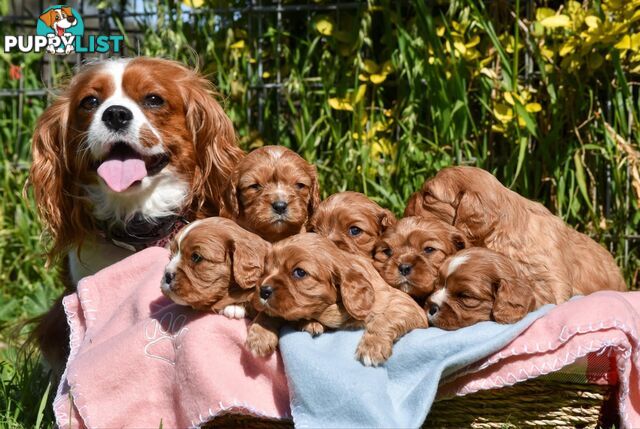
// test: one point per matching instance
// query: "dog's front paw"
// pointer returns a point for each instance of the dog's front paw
(373, 351)
(261, 341)
(234, 311)
(51, 49)
(312, 327)
(69, 49)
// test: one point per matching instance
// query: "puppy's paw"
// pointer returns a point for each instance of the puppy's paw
(260, 341)
(373, 351)
(234, 311)
(312, 327)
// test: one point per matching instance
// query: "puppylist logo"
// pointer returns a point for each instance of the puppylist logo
(60, 31)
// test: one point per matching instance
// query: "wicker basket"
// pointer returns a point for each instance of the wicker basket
(534, 403)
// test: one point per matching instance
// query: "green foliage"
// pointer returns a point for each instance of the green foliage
(379, 97)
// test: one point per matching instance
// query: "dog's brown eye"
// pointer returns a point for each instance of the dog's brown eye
(354, 231)
(90, 103)
(299, 273)
(196, 257)
(300, 185)
(388, 252)
(428, 250)
(153, 100)
(255, 187)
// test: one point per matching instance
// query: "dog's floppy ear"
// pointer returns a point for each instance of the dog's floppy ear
(385, 220)
(314, 192)
(414, 205)
(248, 261)
(474, 217)
(48, 17)
(231, 198)
(55, 188)
(357, 292)
(512, 300)
(214, 138)
(458, 239)
(67, 10)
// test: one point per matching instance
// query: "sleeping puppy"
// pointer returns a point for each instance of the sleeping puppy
(272, 192)
(493, 216)
(352, 221)
(309, 279)
(409, 254)
(215, 265)
(479, 284)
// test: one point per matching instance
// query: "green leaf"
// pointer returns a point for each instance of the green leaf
(580, 177)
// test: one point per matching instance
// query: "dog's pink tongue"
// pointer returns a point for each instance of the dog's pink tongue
(120, 174)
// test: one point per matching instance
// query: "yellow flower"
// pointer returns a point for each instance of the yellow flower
(324, 25)
(347, 103)
(238, 45)
(556, 21)
(503, 113)
(193, 3)
(374, 72)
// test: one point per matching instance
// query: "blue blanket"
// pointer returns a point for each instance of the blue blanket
(329, 388)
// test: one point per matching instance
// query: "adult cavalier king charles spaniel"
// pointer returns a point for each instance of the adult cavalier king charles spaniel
(130, 151)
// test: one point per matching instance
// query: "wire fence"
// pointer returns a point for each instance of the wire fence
(257, 17)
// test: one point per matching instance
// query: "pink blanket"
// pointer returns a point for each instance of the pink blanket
(594, 330)
(138, 360)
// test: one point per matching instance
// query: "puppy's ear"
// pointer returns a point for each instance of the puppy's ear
(512, 300)
(248, 262)
(357, 292)
(67, 11)
(385, 220)
(314, 192)
(48, 17)
(231, 198)
(414, 205)
(214, 138)
(473, 216)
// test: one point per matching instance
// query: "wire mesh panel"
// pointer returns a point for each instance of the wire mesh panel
(378, 94)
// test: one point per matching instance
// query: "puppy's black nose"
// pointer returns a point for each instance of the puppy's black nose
(265, 291)
(279, 206)
(71, 19)
(117, 117)
(168, 277)
(405, 269)
(433, 309)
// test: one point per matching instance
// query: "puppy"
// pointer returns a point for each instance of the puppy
(59, 20)
(129, 150)
(479, 284)
(352, 221)
(493, 216)
(409, 254)
(215, 266)
(308, 278)
(272, 192)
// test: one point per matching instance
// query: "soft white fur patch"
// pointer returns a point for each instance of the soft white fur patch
(439, 297)
(455, 263)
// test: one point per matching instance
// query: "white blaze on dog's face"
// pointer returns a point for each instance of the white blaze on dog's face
(141, 137)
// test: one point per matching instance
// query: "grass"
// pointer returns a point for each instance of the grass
(379, 97)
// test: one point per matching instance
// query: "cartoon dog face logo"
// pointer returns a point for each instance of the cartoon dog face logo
(59, 20)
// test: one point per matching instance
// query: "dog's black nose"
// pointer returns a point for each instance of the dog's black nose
(265, 291)
(168, 277)
(279, 206)
(71, 19)
(117, 117)
(405, 269)
(433, 309)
